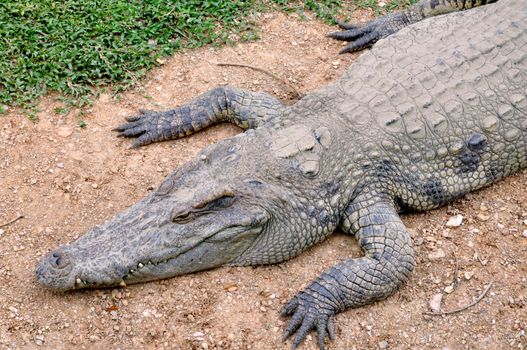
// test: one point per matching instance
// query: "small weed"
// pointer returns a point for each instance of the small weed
(394, 5)
(368, 4)
(326, 10)
(61, 110)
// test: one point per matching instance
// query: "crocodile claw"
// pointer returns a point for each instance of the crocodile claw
(308, 313)
(364, 36)
(143, 127)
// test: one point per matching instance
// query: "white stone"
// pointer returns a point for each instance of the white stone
(435, 302)
(455, 221)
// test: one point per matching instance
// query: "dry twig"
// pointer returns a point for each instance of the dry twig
(456, 272)
(286, 83)
(478, 299)
(12, 221)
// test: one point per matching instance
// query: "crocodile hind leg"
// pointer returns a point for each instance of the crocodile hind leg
(388, 262)
(223, 104)
(363, 36)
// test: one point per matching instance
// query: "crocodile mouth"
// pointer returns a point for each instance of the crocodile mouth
(199, 257)
(100, 260)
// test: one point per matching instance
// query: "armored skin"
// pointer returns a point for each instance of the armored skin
(430, 113)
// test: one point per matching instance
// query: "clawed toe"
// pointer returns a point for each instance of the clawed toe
(306, 316)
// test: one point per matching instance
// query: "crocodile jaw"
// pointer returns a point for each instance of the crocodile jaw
(123, 251)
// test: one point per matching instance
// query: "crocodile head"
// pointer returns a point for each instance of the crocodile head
(208, 213)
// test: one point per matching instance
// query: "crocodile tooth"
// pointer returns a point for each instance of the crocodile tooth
(78, 281)
(140, 265)
(132, 270)
(122, 283)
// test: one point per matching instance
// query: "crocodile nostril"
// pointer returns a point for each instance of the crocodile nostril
(59, 260)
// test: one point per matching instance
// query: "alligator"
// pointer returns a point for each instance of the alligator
(428, 114)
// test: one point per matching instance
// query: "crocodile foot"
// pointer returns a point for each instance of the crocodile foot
(364, 36)
(143, 126)
(309, 310)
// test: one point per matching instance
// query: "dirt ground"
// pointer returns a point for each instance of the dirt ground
(64, 179)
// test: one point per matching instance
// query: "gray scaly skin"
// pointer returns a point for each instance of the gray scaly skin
(364, 36)
(432, 112)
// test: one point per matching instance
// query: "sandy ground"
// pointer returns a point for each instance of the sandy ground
(64, 179)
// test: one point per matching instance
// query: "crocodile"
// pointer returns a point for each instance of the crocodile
(428, 114)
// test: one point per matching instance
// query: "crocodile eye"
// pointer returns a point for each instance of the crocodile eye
(182, 218)
(222, 202)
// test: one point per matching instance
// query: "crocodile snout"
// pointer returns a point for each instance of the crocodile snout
(55, 266)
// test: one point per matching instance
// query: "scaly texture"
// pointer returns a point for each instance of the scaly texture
(432, 112)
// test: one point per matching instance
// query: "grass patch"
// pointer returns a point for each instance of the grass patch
(389, 6)
(75, 46)
(327, 10)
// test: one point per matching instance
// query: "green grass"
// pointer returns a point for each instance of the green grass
(74, 47)
(326, 10)
(389, 6)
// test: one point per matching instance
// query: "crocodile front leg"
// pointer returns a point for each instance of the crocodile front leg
(223, 104)
(387, 264)
(363, 36)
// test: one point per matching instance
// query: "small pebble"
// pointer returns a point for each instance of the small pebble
(524, 233)
(383, 344)
(230, 287)
(435, 302)
(468, 275)
(419, 241)
(482, 217)
(39, 339)
(64, 131)
(449, 289)
(455, 221)
(438, 254)
(198, 334)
